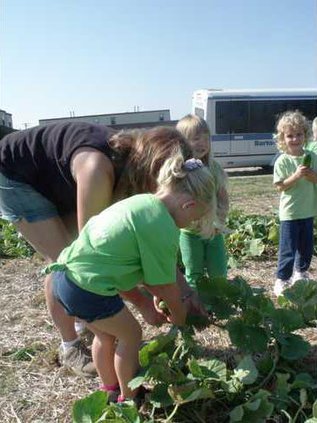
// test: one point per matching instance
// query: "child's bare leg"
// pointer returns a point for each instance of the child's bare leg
(103, 349)
(127, 331)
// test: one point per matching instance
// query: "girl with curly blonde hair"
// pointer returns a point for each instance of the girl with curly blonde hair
(295, 177)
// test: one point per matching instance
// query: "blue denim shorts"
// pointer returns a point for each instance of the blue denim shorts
(84, 304)
(21, 201)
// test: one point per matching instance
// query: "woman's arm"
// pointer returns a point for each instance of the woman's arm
(190, 297)
(93, 172)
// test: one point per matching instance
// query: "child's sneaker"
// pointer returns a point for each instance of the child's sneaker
(280, 285)
(78, 359)
(298, 275)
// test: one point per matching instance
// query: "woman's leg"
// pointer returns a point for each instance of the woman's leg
(49, 237)
(122, 363)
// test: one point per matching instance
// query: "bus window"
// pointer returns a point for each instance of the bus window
(232, 117)
(239, 117)
(223, 114)
(307, 107)
(262, 116)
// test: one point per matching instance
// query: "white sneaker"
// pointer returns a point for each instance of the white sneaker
(298, 275)
(279, 286)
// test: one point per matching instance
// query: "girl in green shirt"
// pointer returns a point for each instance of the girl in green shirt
(202, 245)
(134, 241)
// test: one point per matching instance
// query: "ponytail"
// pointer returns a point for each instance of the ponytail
(189, 176)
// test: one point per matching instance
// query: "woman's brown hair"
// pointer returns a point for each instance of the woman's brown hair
(146, 151)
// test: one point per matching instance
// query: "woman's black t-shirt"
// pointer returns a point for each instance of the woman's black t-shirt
(41, 157)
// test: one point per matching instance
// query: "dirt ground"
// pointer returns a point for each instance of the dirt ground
(33, 386)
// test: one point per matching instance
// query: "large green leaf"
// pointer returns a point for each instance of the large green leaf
(91, 408)
(154, 347)
(136, 382)
(256, 410)
(248, 338)
(284, 320)
(303, 294)
(303, 380)
(293, 347)
(160, 397)
(261, 303)
(273, 234)
(246, 368)
(208, 369)
(188, 392)
(256, 247)
(125, 412)
(162, 371)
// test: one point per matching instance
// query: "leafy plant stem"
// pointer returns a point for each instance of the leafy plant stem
(176, 352)
(271, 372)
(169, 418)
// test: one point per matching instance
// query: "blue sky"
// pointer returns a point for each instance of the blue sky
(107, 56)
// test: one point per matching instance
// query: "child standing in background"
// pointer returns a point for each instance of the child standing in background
(122, 247)
(296, 183)
(202, 246)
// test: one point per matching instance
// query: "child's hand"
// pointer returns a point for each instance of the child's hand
(301, 171)
(152, 315)
(161, 306)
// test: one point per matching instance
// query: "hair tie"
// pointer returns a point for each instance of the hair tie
(192, 164)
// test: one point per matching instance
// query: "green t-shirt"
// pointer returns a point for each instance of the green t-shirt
(311, 146)
(220, 181)
(299, 201)
(133, 241)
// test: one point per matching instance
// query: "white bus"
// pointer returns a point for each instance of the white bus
(242, 122)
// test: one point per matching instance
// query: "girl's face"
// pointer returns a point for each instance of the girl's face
(200, 146)
(294, 139)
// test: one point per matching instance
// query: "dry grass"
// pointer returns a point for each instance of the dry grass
(33, 386)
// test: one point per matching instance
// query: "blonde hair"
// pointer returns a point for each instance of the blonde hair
(145, 151)
(295, 120)
(175, 175)
(192, 126)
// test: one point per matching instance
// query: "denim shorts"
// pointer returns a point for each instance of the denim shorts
(84, 304)
(21, 201)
